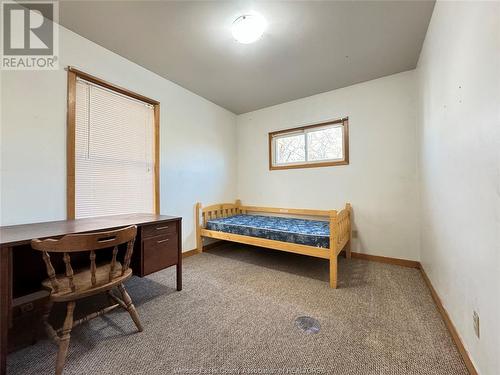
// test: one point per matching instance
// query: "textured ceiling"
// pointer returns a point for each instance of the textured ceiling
(309, 47)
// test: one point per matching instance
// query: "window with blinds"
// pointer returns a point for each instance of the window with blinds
(114, 152)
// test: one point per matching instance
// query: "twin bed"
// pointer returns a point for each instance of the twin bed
(318, 233)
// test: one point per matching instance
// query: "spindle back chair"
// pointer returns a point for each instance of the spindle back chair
(98, 278)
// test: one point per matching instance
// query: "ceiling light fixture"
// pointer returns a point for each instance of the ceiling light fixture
(248, 28)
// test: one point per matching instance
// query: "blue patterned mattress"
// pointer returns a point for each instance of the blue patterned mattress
(305, 232)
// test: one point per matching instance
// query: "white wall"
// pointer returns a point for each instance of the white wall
(381, 179)
(459, 83)
(197, 138)
(458, 147)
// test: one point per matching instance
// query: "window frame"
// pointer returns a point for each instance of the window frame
(73, 74)
(301, 130)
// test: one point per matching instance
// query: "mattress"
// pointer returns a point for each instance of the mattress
(300, 231)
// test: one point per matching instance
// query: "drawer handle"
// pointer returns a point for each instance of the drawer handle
(160, 241)
(28, 307)
(160, 228)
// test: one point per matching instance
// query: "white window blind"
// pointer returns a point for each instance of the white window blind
(114, 153)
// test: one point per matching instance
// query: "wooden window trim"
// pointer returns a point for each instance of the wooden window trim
(343, 121)
(73, 74)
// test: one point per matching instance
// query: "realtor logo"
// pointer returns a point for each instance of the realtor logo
(29, 35)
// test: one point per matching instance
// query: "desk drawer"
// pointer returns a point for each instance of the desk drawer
(160, 252)
(26, 314)
(148, 231)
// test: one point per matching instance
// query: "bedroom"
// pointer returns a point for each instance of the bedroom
(397, 269)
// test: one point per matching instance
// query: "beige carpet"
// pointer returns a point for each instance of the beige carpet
(236, 315)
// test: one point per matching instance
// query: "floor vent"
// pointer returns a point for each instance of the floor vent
(308, 324)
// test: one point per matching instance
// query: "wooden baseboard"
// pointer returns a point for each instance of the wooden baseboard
(380, 259)
(449, 324)
(189, 253)
(212, 245)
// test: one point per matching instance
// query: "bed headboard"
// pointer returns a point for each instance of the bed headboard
(218, 210)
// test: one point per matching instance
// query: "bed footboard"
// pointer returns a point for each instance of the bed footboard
(340, 239)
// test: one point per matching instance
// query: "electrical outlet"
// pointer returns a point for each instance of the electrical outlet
(475, 319)
(354, 233)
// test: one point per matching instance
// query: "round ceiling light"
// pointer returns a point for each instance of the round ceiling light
(248, 28)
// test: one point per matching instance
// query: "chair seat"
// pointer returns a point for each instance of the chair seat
(83, 283)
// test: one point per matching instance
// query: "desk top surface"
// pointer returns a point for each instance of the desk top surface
(24, 233)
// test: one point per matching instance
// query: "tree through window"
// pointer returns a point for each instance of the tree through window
(324, 144)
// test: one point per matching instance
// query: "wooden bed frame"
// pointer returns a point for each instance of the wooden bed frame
(340, 231)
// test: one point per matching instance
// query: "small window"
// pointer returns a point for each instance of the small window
(318, 145)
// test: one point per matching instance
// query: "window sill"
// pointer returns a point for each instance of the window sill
(309, 165)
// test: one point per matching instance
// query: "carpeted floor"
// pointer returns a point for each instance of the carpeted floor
(236, 315)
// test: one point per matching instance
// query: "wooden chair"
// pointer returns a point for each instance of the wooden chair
(74, 285)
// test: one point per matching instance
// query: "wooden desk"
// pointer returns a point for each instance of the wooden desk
(158, 245)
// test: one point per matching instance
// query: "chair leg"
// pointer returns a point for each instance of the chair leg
(130, 307)
(64, 339)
